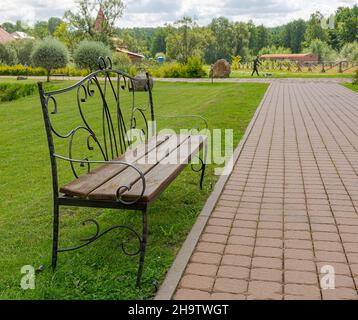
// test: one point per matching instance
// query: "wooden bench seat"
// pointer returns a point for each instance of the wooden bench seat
(161, 159)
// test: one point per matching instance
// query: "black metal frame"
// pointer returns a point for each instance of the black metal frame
(113, 143)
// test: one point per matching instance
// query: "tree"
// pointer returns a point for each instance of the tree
(322, 50)
(293, 35)
(259, 37)
(49, 54)
(274, 50)
(69, 37)
(40, 30)
(88, 52)
(84, 21)
(241, 40)
(349, 52)
(315, 30)
(8, 54)
(185, 40)
(24, 49)
(159, 42)
(347, 24)
(52, 24)
(223, 45)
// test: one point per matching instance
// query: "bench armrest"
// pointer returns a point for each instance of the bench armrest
(121, 189)
(197, 117)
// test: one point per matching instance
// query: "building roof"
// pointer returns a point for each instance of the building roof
(5, 36)
(19, 35)
(286, 55)
(138, 55)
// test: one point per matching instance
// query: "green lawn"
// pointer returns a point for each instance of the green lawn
(351, 86)
(100, 271)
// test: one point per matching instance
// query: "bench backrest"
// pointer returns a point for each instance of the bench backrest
(99, 113)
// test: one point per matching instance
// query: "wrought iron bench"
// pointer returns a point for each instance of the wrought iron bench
(132, 167)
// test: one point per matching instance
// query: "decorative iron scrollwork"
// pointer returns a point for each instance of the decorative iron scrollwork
(98, 234)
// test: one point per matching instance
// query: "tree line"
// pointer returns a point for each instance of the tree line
(330, 38)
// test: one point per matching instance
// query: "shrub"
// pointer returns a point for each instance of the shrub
(9, 92)
(192, 69)
(87, 53)
(8, 54)
(322, 50)
(20, 70)
(49, 54)
(121, 61)
(24, 49)
(14, 91)
(349, 51)
(355, 79)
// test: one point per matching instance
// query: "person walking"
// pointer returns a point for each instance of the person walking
(256, 64)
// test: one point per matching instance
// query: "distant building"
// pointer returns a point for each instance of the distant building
(135, 57)
(19, 35)
(5, 36)
(296, 57)
(98, 25)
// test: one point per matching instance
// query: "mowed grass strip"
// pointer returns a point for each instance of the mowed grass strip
(101, 270)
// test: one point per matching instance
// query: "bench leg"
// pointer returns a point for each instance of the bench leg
(55, 236)
(143, 246)
(202, 176)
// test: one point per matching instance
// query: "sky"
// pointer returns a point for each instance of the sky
(148, 13)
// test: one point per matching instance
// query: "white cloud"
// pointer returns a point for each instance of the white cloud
(158, 12)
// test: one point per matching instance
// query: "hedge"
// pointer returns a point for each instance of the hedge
(20, 70)
(14, 91)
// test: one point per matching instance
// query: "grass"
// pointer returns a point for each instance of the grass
(351, 86)
(99, 271)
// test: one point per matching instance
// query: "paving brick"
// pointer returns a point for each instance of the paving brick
(203, 257)
(339, 293)
(227, 296)
(264, 262)
(268, 252)
(239, 249)
(202, 269)
(298, 244)
(303, 291)
(229, 285)
(217, 230)
(330, 256)
(301, 277)
(188, 294)
(264, 290)
(197, 282)
(269, 242)
(236, 260)
(212, 237)
(233, 272)
(266, 274)
(300, 265)
(299, 254)
(210, 247)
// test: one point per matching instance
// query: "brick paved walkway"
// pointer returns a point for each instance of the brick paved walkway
(290, 205)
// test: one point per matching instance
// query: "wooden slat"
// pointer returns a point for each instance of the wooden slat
(159, 178)
(108, 190)
(82, 186)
